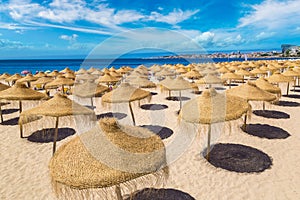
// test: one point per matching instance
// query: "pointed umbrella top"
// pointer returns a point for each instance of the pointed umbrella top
(60, 80)
(279, 78)
(125, 93)
(3, 86)
(14, 77)
(60, 105)
(4, 76)
(251, 92)
(213, 107)
(209, 79)
(266, 86)
(20, 92)
(107, 78)
(27, 78)
(89, 89)
(177, 84)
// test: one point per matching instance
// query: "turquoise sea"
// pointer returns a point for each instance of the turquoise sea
(34, 65)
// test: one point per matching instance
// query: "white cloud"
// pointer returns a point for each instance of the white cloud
(8, 44)
(70, 38)
(174, 17)
(205, 38)
(264, 35)
(273, 14)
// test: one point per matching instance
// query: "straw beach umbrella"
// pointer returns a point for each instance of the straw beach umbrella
(13, 78)
(59, 106)
(210, 79)
(142, 82)
(105, 159)
(251, 92)
(108, 79)
(126, 93)
(177, 84)
(2, 87)
(212, 107)
(263, 84)
(60, 81)
(19, 92)
(231, 76)
(279, 78)
(89, 89)
(27, 79)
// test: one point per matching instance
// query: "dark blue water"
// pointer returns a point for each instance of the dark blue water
(17, 66)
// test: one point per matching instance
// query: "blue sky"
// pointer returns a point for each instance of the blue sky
(68, 28)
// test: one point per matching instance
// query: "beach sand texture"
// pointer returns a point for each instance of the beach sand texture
(25, 174)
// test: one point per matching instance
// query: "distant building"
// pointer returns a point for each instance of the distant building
(290, 50)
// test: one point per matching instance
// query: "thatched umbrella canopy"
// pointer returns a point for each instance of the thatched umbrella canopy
(42, 81)
(177, 84)
(251, 92)
(98, 72)
(142, 82)
(91, 70)
(210, 79)
(67, 70)
(96, 162)
(181, 70)
(212, 107)
(40, 74)
(60, 81)
(155, 68)
(115, 74)
(122, 70)
(164, 72)
(13, 78)
(263, 84)
(54, 73)
(87, 76)
(4, 76)
(108, 79)
(231, 76)
(279, 78)
(258, 71)
(27, 79)
(69, 75)
(126, 93)
(81, 71)
(193, 74)
(19, 92)
(89, 89)
(223, 70)
(59, 106)
(2, 87)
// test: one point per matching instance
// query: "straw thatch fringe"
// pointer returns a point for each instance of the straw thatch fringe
(65, 192)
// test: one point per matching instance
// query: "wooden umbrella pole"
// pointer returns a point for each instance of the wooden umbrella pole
(63, 89)
(169, 93)
(55, 136)
(118, 192)
(21, 130)
(131, 112)
(208, 142)
(180, 99)
(288, 87)
(92, 104)
(264, 105)
(245, 122)
(229, 83)
(20, 106)
(1, 114)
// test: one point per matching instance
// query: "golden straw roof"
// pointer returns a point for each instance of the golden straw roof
(291, 73)
(54, 73)
(40, 74)
(258, 71)
(4, 76)
(231, 75)
(88, 89)
(107, 78)
(279, 78)
(20, 92)
(3, 86)
(60, 105)
(242, 72)
(82, 163)
(87, 76)
(266, 86)
(193, 74)
(142, 82)
(209, 79)
(125, 93)
(27, 78)
(42, 81)
(67, 70)
(14, 77)
(251, 92)
(212, 107)
(60, 80)
(177, 84)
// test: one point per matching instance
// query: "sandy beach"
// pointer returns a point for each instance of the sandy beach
(25, 173)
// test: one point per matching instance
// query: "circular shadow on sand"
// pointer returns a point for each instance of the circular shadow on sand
(154, 106)
(153, 93)
(162, 132)
(266, 131)
(238, 158)
(287, 103)
(46, 135)
(294, 96)
(220, 88)
(197, 92)
(159, 194)
(112, 115)
(174, 98)
(9, 111)
(11, 122)
(271, 114)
